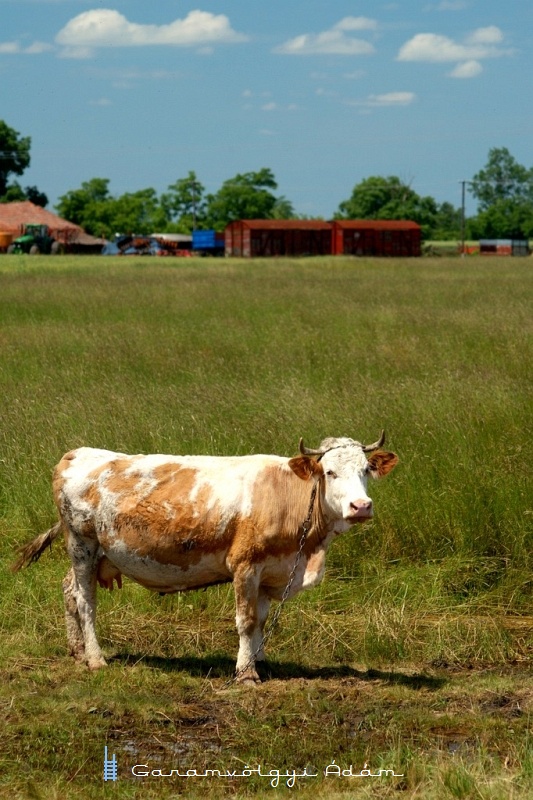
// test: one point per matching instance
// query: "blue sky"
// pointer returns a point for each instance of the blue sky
(323, 93)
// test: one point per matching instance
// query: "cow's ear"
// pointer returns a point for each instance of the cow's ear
(305, 467)
(381, 462)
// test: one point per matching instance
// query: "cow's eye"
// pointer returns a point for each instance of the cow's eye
(331, 474)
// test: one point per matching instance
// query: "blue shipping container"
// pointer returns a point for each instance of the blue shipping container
(207, 240)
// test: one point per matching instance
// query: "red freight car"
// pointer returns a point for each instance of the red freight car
(376, 237)
(278, 237)
(297, 237)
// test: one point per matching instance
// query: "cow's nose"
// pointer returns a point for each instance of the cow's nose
(362, 507)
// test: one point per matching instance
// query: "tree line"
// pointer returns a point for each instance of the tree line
(503, 190)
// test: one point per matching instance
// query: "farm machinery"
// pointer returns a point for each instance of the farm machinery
(154, 245)
(34, 240)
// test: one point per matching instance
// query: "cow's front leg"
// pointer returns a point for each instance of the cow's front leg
(263, 607)
(246, 585)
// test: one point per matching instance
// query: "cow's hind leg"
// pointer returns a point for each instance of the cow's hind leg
(72, 618)
(83, 552)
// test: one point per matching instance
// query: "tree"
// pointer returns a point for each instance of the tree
(447, 224)
(14, 154)
(14, 194)
(283, 209)
(184, 203)
(101, 214)
(35, 196)
(505, 219)
(246, 196)
(389, 198)
(89, 206)
(137, 212)
(502, 178)
(504, 190)
(373, 197)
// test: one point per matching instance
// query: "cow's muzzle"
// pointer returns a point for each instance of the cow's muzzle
(360, 510)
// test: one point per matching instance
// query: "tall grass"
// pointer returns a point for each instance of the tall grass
(237, 357)
(233, 357)
(247, 356)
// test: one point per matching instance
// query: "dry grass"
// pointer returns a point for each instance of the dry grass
(434, 728)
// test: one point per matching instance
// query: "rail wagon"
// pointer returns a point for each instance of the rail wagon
(376, 237)
(256, 238)
(252, 238)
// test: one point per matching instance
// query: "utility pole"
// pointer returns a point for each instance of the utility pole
(463, 198)
(193, 187)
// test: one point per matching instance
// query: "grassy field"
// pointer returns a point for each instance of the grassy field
(413, 655)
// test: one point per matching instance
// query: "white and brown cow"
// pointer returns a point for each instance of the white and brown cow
(174, 523)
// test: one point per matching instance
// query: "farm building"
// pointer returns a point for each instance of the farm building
(278, 237)
(14, 216)
(376, 237)
(297, 237)
(504, 247)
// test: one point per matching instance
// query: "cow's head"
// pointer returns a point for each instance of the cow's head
(344, 466)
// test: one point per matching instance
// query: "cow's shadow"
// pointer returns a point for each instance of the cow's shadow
(221, 666)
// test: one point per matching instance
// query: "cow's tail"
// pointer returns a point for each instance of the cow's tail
(33, 550)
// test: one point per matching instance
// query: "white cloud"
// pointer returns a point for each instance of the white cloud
(334, 41)
(452, 5)
(387, 99)
(468, 69)
(356, 24)
(354, 76)
(108, 28)
(391, 99)
(37, 48)
(10, 47)
(488, 35)
(263, 103)
(76, 52)
(15, 48)
(433, 47)
(130, 75)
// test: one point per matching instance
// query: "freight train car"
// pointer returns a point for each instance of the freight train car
(376, 237)
(256, 238)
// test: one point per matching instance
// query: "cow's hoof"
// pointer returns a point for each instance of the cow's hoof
(78, 654)
(96, 663)
(248, 678)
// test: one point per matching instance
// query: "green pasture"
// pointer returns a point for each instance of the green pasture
(415, 652)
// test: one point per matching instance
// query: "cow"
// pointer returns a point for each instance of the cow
(175, 523)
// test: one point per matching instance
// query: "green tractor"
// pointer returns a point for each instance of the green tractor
(36, 239)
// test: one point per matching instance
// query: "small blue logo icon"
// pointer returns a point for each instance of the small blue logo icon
(110, 767)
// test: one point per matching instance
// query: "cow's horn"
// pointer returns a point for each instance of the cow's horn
(306, 451)
(367, 448)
